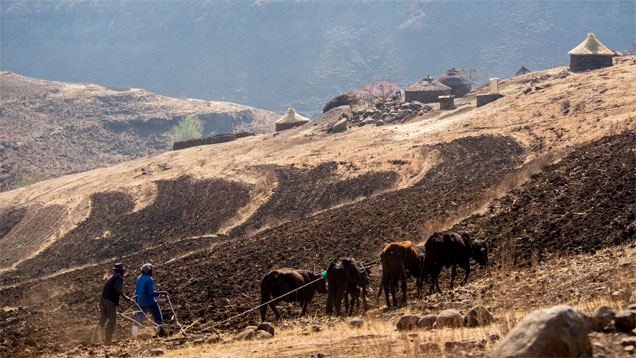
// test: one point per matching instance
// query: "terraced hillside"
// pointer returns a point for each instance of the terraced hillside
(536, 178)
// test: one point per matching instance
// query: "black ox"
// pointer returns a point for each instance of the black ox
(279, 282)
(444, 249)
(345, 276)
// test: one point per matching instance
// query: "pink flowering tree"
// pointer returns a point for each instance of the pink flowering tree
(369, 92)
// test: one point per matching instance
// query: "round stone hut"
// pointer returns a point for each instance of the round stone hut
(459, 83)
(591, 54)
(426, 90)
(289, 120)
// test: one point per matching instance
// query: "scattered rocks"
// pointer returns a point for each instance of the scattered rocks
(429, 347)
(602, 317)
(478, 316)
(267, 327)
(625, 320)
(449, 318)
(263, 335)
(340, 126)
(247, 334)
(388, 112)
(465, 345)
(356, 323)
(427, 321)
(157, 352)
(407, 323)
(316, 328)
(560, 331)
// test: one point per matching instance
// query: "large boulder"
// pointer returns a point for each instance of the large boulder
(449, 318)
(602, 317)
(560, 331)
(478, 316)
(343, 99)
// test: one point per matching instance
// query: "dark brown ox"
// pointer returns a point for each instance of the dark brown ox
(398, 260)
(444, 249)
(279, 282)
(345, 276)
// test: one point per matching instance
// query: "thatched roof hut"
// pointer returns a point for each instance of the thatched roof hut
(426, 90)
(459, 83)
(289, 120)
(590, 54)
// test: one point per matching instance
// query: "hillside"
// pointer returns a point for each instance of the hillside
(50, 129)
(545, 172)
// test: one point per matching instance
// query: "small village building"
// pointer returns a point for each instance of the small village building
(591, 54)
(427, 90)
(459, 83)
(289, 120)
(446, 102)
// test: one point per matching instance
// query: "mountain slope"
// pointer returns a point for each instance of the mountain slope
(51, 129)
(213, 219)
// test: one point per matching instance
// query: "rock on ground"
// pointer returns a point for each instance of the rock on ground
(356, 322)
(157, 352)
(449, 318)
(427, 321)
(625, 320)
(478, 316)
(247, 334)
(263, 335)
(602, 316)
(407, 323)
(267, 327)
(560, 331)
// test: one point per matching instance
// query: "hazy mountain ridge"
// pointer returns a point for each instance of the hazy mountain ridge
(276, 54)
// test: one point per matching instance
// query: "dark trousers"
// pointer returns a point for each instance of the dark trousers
(152, 311)
(107, 312)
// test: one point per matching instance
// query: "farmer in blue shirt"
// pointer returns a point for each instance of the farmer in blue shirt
(146, 294)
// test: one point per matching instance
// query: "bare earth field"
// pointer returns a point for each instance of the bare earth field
(546, 175)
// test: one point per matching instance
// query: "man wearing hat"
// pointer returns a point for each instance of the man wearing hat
(108, 302)
(145, 290)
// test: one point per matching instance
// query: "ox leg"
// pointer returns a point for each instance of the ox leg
(467, 268)
(364, 299)
(386, 292)
(273, 306)
(339, 297)
(453, 276)
(304, 311)
(331, 293)
(404, 290)
(394, 285)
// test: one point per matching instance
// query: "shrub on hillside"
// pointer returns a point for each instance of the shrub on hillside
(189, 127)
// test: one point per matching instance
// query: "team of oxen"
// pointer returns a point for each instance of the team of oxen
(348, 278)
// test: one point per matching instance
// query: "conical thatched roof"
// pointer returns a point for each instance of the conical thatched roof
(591, 46)
(428, 84)
(292, 117)
(453, 77)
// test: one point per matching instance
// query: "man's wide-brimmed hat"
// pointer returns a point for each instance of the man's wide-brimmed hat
(119, 267)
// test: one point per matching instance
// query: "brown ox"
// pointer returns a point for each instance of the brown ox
(398, 260)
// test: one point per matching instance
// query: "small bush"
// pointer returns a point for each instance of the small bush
(28, 179)
(189, 127)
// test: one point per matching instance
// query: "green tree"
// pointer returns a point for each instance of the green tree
(28, 179)
(189, 127)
